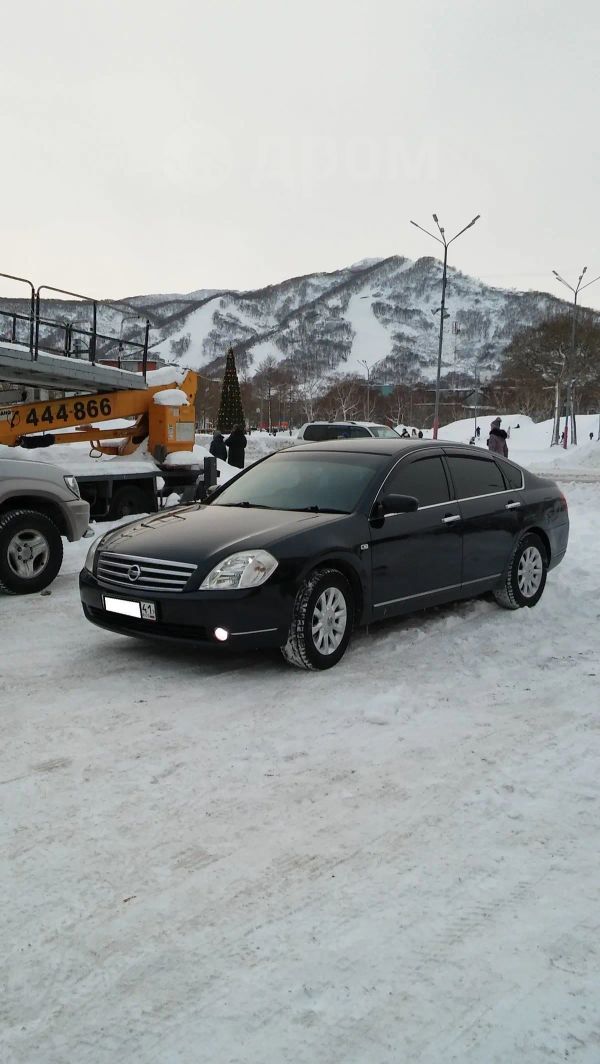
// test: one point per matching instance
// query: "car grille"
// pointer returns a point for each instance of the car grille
(129, 573)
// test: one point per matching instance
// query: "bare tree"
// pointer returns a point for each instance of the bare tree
(342, 401)
(179, 347)
(265, 378)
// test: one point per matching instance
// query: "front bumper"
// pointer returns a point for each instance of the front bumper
(77, 518)
(257, 617)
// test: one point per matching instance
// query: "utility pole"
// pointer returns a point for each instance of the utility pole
(570, 407)
(441, 239)
(365, 364)
(556, 426)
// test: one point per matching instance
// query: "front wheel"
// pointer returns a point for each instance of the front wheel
(31, 552)
(526, 577)
(322, 621)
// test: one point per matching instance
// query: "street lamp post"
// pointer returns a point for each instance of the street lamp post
(441, 239)
(575, 290)
(365, 364)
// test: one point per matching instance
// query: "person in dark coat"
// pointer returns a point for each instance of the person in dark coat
(497, 438)
(236, 445)
(217, 446)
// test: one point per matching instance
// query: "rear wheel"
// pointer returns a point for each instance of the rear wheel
(526, 578)
(31, 552)
(322, 622)
(129, 501)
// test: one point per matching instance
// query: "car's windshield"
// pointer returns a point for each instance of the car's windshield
(319, 481)
(382, 432)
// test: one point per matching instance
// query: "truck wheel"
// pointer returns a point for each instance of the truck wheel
(31, 552)
(129, 501)
(322, 621)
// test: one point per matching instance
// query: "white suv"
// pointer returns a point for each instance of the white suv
(319, 431)
(39, 503)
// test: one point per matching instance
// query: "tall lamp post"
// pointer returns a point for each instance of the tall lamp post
(441, 239)
(365, 364)
(575, 290)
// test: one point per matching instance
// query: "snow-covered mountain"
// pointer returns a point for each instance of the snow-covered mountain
(378, 311)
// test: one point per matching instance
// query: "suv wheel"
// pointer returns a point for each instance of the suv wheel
(31, 552)
(526, 577)
(322, 622)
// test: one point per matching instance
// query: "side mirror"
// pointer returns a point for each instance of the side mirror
(398, 504)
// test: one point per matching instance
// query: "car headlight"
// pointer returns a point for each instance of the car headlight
(247, 568)
(73, 486)
(91, 554)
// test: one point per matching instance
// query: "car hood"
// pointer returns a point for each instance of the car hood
(201, 533)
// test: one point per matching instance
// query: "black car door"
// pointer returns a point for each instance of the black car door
(416, 557)
(491, 516)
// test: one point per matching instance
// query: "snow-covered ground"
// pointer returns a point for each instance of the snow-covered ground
(219, 859)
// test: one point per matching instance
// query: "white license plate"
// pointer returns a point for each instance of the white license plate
(145, 611)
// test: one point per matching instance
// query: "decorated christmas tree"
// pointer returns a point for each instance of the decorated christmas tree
(231, 411)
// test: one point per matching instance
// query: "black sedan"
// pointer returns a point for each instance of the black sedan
(303, 546)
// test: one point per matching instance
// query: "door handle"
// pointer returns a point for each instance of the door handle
(512, 506)
(449, 519)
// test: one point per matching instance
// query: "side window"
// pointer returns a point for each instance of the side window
(316, 433)
(424, 478)
(475, 476)
(357, 432)
(512, 475)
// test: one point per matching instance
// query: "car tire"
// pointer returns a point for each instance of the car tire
(526, 576)
(322, 622)
(128, 502)
(31, 552)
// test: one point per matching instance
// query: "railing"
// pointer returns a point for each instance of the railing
(64, 336)
(31, 316)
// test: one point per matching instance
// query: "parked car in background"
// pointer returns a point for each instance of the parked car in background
(301, 547)
(39, 503)
(321, 431)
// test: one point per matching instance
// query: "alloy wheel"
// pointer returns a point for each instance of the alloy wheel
(28, 553)
(530, 571)
(329, 620)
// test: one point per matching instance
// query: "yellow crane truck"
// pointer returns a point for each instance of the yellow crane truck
(164, 414)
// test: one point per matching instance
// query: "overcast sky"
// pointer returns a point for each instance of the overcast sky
(159, 147)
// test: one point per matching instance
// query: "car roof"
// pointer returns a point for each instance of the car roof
(368, 445)
(362, 424)
(391, 447)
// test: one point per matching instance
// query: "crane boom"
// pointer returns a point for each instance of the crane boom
(169, 427)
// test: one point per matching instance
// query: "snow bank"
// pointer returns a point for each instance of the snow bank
(530, 442)
(260, 444)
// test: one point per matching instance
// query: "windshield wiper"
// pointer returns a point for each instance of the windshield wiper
(248, 505)
(316, 510)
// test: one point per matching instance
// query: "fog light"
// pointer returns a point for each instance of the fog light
(221, 634)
